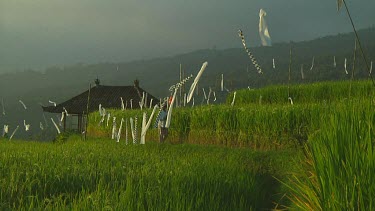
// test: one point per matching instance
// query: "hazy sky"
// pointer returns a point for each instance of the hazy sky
(41, 33)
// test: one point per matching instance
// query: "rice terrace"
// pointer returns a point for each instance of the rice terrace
(286, 125)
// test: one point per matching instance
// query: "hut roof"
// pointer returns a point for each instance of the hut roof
(107, 96)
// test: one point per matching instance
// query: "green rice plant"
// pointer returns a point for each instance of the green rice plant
(100, 174)
(340, 168)
(266, 126)
(320, 92)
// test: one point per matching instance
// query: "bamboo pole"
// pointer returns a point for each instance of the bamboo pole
(359, 42)
(180, 82)
(290, 68)
(87, 111)
(353, 68)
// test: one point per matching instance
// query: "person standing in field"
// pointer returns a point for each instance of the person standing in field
(162, 118)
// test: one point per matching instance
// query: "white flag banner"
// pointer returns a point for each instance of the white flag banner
(119, 130)
(312, 63)
(346, 71)
(169, 115)
(132, 129)
(273, 64)
(143, 138)
(194, 84)
(302, 74)
(339, 4)
(122, 104)
(371, 68)
(149, 121)
(234, 98)
(14, 132)
(114, 128)
(57, 128)
(291, 100)
(263, 29)
(204, 94)
(5, 130)
(334, 61)
(23, 104)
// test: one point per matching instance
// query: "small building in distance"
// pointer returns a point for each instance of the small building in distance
(108, 96)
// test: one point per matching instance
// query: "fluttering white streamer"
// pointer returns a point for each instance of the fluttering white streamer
(41, 126)
(132, 130)
(54, 104)
(5, 130)
(143, 141)
(102, 120)
(302, 74)
(194, 84)
(222, 82)
(142, 100)
(131, 103)
(263, 29)
(126, 131)
(135, 130)
(339, 4)
(62, 117)
(370, 68)
(253, 60)
(184, 99)
(66, 112)
(209, 95)
(23, 104)
(122, 104)
(119, 130)
(312, 63)
(214, 96)
(149, 121)
(14, 132)
(100, 110)
(273, 63)
(169, 115)
(27, 126)
(334, 61)
(234, 98)
(346, 71)
(204, 94)
(151, 102)
(192, 103)
(114, 129)
(179, 84)
(108, 117)
(58, 120)
(291, 101)
(57, 127)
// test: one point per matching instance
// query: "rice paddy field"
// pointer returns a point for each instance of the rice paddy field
(100, 174)
(263, 153)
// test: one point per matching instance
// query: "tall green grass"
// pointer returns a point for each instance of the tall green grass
(340, 169)
(101, 174)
